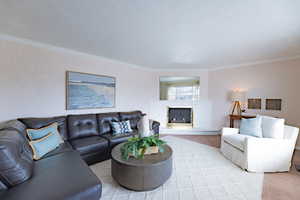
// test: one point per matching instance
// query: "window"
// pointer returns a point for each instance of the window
(183, 93)
(179, 88)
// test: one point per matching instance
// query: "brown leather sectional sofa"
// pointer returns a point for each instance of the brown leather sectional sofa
(62, 173)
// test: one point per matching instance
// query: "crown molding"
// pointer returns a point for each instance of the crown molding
(259, 62)
(51, 47)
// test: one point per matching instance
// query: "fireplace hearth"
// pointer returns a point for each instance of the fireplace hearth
(180, 116)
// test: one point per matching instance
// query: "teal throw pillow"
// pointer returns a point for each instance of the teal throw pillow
(251, 127)
(44, 145)
(35, 134)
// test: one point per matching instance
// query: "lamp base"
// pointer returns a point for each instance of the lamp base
(237, 106)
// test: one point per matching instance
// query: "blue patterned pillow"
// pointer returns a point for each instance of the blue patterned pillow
(121, 127)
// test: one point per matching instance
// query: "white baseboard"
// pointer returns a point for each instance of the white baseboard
(193, 131)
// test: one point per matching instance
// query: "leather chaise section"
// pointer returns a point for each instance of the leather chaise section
(61, 177)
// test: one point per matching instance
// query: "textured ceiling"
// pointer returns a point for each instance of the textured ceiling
(161, 34)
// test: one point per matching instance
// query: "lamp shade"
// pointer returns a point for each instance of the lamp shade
(237, 96)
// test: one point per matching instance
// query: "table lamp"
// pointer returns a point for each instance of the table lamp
(237, 97)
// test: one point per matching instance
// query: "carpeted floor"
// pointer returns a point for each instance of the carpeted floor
(199, 172)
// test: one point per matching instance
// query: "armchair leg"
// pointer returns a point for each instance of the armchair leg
(297, 166)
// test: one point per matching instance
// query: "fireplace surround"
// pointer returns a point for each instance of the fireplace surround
(180, 116)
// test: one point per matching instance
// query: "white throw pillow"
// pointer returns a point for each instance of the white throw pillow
(272, 127)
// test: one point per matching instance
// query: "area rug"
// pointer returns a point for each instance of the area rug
(200, 172)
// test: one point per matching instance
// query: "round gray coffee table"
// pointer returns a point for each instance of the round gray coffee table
(141, 174)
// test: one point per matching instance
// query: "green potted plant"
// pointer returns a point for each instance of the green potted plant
(137, 147)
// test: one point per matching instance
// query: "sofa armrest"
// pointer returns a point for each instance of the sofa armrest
(265, 154)
(229, 131)
(273, 145)
(155, 126)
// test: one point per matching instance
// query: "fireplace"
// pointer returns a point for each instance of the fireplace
(180, 116)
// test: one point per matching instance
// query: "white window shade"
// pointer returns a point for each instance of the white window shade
(184, 92)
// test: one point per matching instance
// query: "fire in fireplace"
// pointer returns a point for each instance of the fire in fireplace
(180, 116)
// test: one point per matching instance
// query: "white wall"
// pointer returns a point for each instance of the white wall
(32, 81)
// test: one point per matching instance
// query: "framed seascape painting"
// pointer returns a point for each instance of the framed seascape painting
(88, 91)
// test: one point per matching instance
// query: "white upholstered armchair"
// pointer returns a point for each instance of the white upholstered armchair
(259, 154)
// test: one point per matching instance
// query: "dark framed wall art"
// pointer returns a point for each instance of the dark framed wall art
(254, 103)
(273, 104)
(88, 91)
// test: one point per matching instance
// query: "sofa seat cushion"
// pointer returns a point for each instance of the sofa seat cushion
(63, 176)
(117, 139)
(90, 144)
(236, 140)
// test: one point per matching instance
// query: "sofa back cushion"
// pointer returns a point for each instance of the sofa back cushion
(134, 117)
(104, 121)
(16, 164)
(80, 126)
(36, 123)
